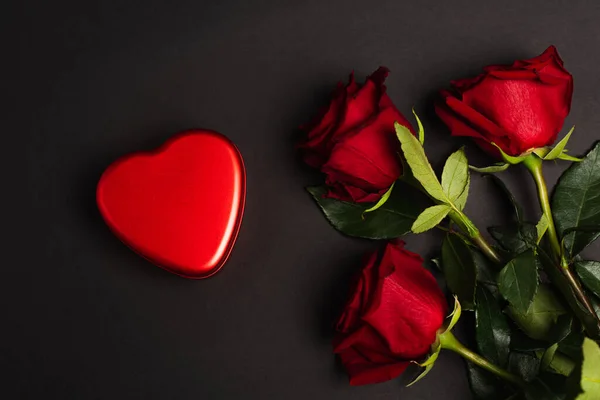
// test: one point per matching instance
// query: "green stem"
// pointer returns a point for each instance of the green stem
(534, 165)
(450, 342)
(467, 226)
(454, 232)
(464, 223)
(485, 247)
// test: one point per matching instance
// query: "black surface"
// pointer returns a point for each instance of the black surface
(84, 82)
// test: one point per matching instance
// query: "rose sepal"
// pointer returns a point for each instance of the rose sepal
(381, 201)
(421, 133)
(512, 160)
(437, 346)
(555, 152)
(498, 167)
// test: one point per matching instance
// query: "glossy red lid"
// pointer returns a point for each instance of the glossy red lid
(179, 206)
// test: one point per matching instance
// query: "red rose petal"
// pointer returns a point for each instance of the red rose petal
(363, 371)
(411, 306)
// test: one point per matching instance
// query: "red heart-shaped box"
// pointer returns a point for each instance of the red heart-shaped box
(179, 206)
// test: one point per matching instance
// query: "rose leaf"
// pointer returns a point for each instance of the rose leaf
(539, 320)
(455, 175)
(541, 227)
(575, 202)
(590, 371)
(589, 273)
(459, 269)
(391, 220)
(491, 328)
(518, 281)
(414, 154)
(430, 217)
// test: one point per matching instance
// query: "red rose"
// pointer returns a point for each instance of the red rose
(518, 107)
(392, 317)
(354, 142)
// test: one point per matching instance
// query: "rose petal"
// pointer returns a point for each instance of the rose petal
(363, 371)
(530, 111)
(465, 121)
(361, 105)
(410, 307)
(518, 107)
(318, 143)
(367, 158)
(363, 285)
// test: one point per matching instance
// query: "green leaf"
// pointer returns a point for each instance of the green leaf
(553, 361)
(461, 201)
(455, 174)
(420, 126)
(557, 330)
(541, 316)
(487, 274)
(459, 269)
(518, 281)
(575, 201)
(560, 146)
(541, 227)
(571, 345)
(582, 228)
(548, 356)
(593, 231)
(491, 169)
(542, 390)
(392, 220)
(589, 272)
(561, 329)
(382, 200)
(519, 341)
(524, 365)
(491, 328)
(590, 371)
(430, 217)
(422, 171)
(484, 385)
(515, 238)
(561, 282)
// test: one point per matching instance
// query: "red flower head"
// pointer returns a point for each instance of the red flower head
(354, 143)
(392, 317)
(517, 107)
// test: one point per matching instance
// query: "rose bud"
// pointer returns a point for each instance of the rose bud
(392, 317)
(353, 141)
(518, 107)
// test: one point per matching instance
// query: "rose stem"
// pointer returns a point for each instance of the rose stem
(485, 247)
(454, 232)
(468, 227)
(464, 223)
(534, 165)
(450, 342)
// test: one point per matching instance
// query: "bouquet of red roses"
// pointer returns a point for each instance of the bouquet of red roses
(533, 297)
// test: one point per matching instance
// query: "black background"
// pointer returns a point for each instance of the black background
(84, 82)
